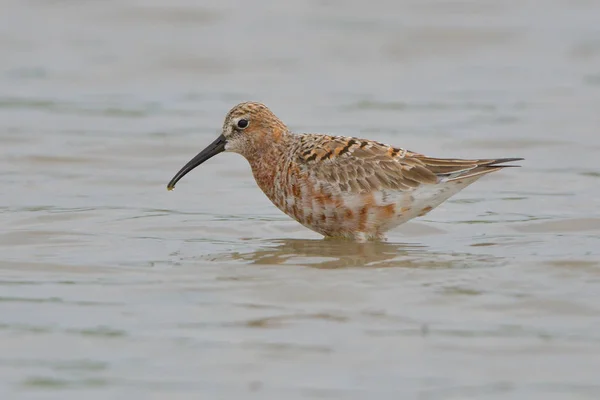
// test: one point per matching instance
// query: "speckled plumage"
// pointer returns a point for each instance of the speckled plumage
(342, 186)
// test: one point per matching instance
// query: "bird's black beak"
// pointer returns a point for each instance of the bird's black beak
(210, 151)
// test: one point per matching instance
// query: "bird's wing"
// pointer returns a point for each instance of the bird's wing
(359, 166)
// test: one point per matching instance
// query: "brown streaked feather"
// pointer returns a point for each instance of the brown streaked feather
(453, 169)
(360, 166)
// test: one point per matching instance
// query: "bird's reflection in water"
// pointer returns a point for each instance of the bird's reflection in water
(331, 254)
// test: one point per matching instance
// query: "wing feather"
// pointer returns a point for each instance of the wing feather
(359, 166)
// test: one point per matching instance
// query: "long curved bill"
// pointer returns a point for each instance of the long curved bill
(210, 151)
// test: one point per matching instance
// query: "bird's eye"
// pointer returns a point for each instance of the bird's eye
(242, 123)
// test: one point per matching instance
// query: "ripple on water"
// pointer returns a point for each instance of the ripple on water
(110, 286)
(332, 254)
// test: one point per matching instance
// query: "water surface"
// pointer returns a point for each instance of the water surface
(112, 287)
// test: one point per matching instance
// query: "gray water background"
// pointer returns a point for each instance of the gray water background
(112, 287)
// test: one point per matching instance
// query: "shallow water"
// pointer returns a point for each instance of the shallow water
(112, 287)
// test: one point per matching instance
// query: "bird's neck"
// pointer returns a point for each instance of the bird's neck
(269, 161)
